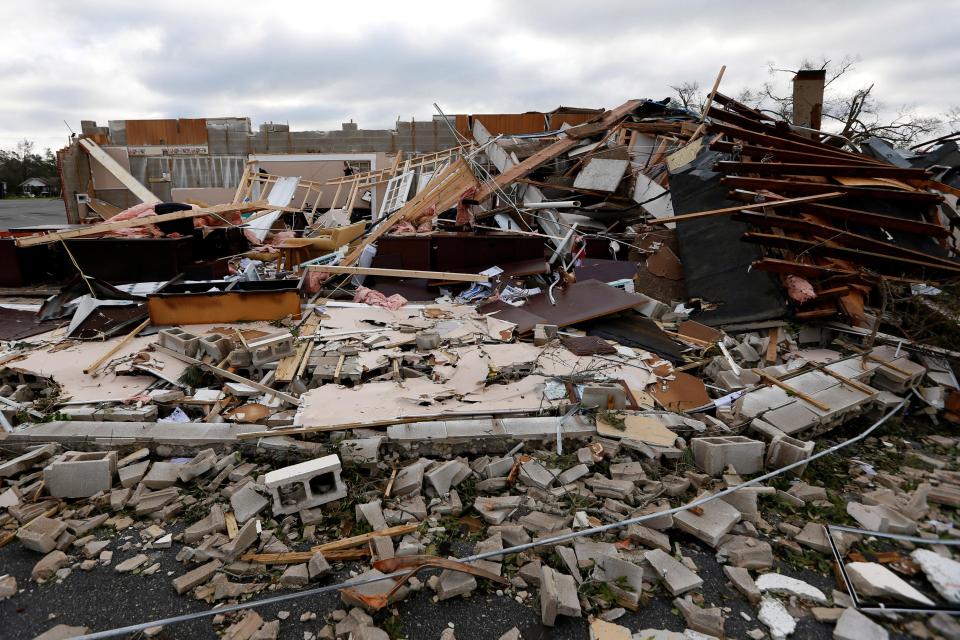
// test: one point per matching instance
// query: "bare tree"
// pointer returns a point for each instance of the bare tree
(689, 96)
(854, 116)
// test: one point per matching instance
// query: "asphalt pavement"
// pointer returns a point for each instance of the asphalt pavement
(27, 212)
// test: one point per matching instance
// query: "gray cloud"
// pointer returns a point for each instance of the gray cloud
(315, 66)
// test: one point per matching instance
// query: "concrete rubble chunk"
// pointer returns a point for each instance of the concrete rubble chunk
(454, 583)
(244, 628)
(62, 632)
(161, 475)
(853, 625)
(675, 576)
(785, 585)
(130, 564)
(534, 474)
(747, 552)
(247, 502)
(269, 631)
(716, 520)
(8, 587)
(742, 582)
(49, 565)
(318, 565)
(872, 579)
(942, 572)
(704, 620)
(372, 514)
(214, 522)
(558, 596)
(24, 461)
(196, 577)
(445, 475)
(246, 536)
(41, 534)
(778, 620)
(295, 576)
(814, 536)
(881, 518)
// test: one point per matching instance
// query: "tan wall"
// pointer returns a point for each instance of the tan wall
(322, 171)
(103, 179)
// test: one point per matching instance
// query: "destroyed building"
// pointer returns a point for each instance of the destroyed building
(590, 369)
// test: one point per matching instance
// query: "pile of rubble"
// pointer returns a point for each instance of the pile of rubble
(644, 391)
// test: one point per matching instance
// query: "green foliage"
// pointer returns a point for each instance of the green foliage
(16, 165)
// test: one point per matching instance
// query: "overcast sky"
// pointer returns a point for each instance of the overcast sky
(317, 64)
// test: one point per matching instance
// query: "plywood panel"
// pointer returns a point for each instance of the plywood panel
(170, 132)
(508, 123)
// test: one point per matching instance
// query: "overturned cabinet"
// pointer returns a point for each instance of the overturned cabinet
(212, 301)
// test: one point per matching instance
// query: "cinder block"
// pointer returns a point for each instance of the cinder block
(306, 485)
(41, 534)
(216, 346)
(544, 333)
(785, 450)
(239, 358)
(179, 340)
(713, 454)
(272, 352)
(80, 474)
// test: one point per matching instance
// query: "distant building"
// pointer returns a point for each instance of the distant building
(39, 187)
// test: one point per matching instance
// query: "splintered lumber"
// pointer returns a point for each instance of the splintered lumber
(336, 550)
(402, 273)
(127, 338)
(753, 205)
(529, 165)
(887, 192)
(289, 367)
(223, 373)
(809, 169)
(442, 192)
(118, 172)
(93, 229)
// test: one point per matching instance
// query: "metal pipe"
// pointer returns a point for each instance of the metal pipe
(564, 204)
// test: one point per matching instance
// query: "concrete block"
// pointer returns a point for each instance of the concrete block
(41, 534)
(213, 523)
(409, 480)
(79, 474)
(785, 450)
(272, 352)
(176, 339)
(146, 413)
(853, 625)
(714, 454)
(446, 475)
(240, 358)
(372, 514)
(306, 485)
(216, 345)
(792, 418)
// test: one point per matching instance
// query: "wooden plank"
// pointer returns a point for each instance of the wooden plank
(808, 169)
(806, 188)
(29, 241)
(231, 522)
(223, 373)
(783, 385)
(127, 338)
(118, 172)
(708, 104)
(289, 366)
(755, 205)
(771, 354)
(329, 549)
(527, 166)
(402, 273)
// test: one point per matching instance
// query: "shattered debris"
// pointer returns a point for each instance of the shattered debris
(608, 358)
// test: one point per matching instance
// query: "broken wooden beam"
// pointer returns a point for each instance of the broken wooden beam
(755, 205)
(807, 188)
(29, 241)
(402, 273)
(818, 169)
